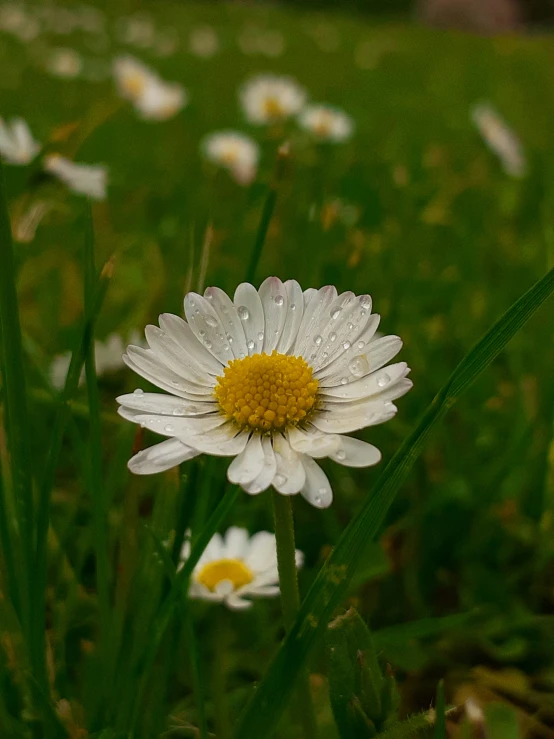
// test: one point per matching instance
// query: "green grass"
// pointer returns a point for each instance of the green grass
(457, 583)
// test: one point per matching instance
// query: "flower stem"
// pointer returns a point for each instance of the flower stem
(290, 599)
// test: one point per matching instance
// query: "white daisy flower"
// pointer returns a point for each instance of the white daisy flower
(85, 179)
(153, 98)
(17, 144)
(268, 98)
(326, 122)
(274, 377)
(203, 42)
(500, 139)
(235, 567)
(235, 151)
(65, 63)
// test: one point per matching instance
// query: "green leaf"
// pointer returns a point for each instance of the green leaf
(501, 722)
(271, 697)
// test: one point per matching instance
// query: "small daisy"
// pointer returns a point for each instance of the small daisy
(203, 42)
(274, 378)
(326, 122)
(153, 98)
(65, 63)
(500, 139)
(234, 151)
(235, 567)
(85, 179)
(268, 98)
(17, 144)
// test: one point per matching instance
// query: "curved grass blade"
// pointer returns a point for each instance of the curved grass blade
(271, 697)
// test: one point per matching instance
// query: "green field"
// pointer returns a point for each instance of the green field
(413, 209)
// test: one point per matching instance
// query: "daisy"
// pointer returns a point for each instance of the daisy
(65, 63)
(85, 179)
(17, 144)
(500, 139)
(153, 98)
(234, 151)
(274, 378)
(268, 98)
(236, 566)
(326, 122)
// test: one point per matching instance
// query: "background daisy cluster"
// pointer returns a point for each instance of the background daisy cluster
(439, 203)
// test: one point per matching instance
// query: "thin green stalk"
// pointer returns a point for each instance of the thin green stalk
(196, 670)
(95, 477)
(290, 598)
(283, 154)
(39, 575)
(16, 419)
(219, 676)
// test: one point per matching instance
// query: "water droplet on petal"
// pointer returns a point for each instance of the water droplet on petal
(208, 344)
(169, 428)
(244, 313)
(138, 391)
(318, 340)
(335, 313)
(211, 321)
(383, 379)
(143, 425)
(201, 333)
(359, 366)
(341, 455)
(226, 347)
(343, 380)
(360, 344)
(177, 412)
(332, 337)
(346, 345)
(279, 480)
(250, 344)
(293, 306)
(365, 302)
(279, 300)
(350, 326)
(261, 336)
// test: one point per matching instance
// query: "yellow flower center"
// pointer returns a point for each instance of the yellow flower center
(134, 84)
(272, 107)
(230, 154)
(323, 126)
(266, 391)
(225, 569)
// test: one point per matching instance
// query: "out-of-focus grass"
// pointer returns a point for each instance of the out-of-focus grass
(435, 231)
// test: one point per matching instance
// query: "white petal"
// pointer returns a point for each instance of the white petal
(146, 364)
(230, 320)
(160, 457)
(355, 453)
(201, 592)
(316, 310)
(264, 591)
(178, 426)
(247, 465)
(251, 314)
(223, 441)
(265, 477)
(370, 385)
(262, 552)
(207, 327)
(327, 333)
(270, 576)
(273, 295)
(344, 423)
(174, 357)
(236, 603)
(290, 475)
(317, 489)
(295, 311)
(308, 295)
(224, 588)
(212, 552)
(236, 543)
(316, 444)
(166, 405)
(378, 353)
(192, 350)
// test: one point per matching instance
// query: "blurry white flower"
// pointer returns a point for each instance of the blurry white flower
(326, 122)
(235, 567)
(203, 42)
(153, 98)
(19, 22)
(137, 30)
(500, 139)
(274, 378)
(235, 151)
(85, 179)
(268, 98)
(65, 63)
(17, 144)
(108, 356)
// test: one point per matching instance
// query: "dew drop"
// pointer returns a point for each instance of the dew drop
(279, 480)
(177, 412)
(350, 326)
(341, 455)
(261, 336)
(279, 300)
(293, 306)
(324, 355)
(335, 313)
(365, 302)
(225, 347)
(197, 312)
(211, 321)
(169, 428)
(318, 340)
(229, 339)
(360, 344)
(244, 313)
(241, 355)
(383, 380)
(250, 344)
(202, 333)
(346, 345)
(332, 337)
(138, 391)
(143, 425)
(208, 344)
(343, 380)
(359, 366)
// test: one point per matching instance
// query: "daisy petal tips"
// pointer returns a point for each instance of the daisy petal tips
(274, 377)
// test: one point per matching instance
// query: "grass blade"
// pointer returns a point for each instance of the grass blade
(271, 697)
(440, 724)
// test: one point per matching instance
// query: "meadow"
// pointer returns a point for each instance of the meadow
(448, 557)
